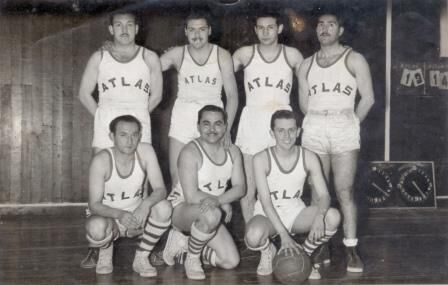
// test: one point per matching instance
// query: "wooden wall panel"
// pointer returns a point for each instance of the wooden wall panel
(5, 146)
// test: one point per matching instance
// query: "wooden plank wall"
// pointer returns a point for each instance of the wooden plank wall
(45, 133)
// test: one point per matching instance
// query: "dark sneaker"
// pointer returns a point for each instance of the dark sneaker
(354, 262)
(322, 255)
(90, 260)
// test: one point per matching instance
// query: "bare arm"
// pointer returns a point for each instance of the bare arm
(238, 189)
(172, 58)
(155, 178)
(241, 57)
(229, 83)
(303, 85)
(360, 67)
(153, 63)
(88, 83)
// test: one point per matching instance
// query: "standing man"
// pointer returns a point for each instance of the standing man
(118, 203)
(203, 70)
(328, 82)
(280, 173)
(129, 80)
(203, 194)
(268, 77)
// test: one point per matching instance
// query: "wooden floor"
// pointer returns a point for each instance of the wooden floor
(398, 246)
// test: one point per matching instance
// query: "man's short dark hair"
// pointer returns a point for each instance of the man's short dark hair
(198, 15)
(125, 118)
(212, 108)
(284, 114)
(122, 12)
(331, 11)
(268, 13)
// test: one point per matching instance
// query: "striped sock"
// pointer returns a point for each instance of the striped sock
(198, 240)
(208, 256)
(310, 246)
(151, 235)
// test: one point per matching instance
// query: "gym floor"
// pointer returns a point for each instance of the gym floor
(398, 247)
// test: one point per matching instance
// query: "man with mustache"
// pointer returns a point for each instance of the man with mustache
(268, 76)
(328, 85)
(129, 81)
(203, 70)
(210, 178)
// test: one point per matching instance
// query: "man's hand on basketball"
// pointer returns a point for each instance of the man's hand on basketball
(288, 243)
(227, 208)
(208, 203)
(227, 140)
(128, 220)
(141, 214)
(317, 228)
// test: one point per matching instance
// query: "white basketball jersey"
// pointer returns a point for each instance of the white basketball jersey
(200, 83)
(124, 84)
(332, 87)
(285, 186)
(124, 192)
(268, 84)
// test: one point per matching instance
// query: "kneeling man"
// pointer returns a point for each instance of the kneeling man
(280, 173)
(118, 205)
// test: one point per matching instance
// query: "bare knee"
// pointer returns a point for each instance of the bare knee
(230, 261)
(207, 222)
(332, 219)
(255, 236)
(98, 228)
(345, 196)
(162, 211)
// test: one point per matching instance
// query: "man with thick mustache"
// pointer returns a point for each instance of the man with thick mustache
(129, 80)
(328, 84)
(203, 70)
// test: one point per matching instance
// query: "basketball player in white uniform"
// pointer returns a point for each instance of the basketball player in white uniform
(202, 195)
(328, 84)
(129, 81)
(118, 204)
(203, 70)
(280, 173)
(268, 76)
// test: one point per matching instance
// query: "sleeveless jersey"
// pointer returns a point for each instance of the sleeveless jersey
(285, 186)
(124, 84)
(201, 83)
(332, 87)
(121, 192)
(268, 84)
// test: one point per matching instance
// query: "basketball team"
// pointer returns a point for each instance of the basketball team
(265, 170)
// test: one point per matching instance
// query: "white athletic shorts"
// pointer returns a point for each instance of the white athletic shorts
(331, 132)
(103, 117)
(184, 119)
(253, 130)
(287, 214)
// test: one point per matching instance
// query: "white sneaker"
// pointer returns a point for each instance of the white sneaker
(175, 245)
(267, 256)
(104, 264)
(193, 268)
(315, 274)
(142, 266)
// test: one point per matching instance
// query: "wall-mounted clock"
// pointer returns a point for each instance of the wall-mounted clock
(379, 187)
(415, 186)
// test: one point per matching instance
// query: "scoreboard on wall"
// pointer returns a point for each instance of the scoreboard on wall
(398, 184)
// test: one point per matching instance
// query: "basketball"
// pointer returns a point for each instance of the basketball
(291, 267)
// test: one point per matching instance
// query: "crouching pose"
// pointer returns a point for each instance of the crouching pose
(204, 195)
(280, 173)
(118, 206)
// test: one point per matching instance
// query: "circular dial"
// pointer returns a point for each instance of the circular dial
(379, 187)
(415, 186)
